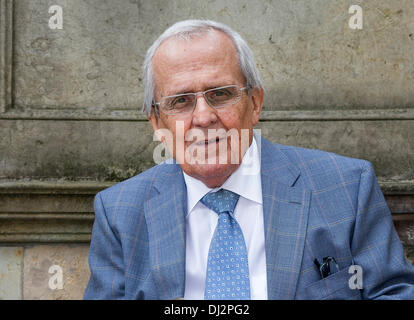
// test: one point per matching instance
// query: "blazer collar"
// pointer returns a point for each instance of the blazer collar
(275, 164)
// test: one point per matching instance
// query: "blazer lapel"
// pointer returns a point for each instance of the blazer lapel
(285, 210)
(165, 217)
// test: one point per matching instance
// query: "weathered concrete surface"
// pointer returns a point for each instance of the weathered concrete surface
(74, 149)
(6, 54)
(389, 145)
(72, 259)
(10, 273)
(111, 150)
(308, 55)
(309, 58)
(93, 62)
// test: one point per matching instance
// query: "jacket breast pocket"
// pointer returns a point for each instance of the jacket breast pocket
(333, 287)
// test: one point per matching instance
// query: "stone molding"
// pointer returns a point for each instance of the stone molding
(79, 114)
(47, 212)
(62, 212)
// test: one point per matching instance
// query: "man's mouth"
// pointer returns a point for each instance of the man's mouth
(210, 141)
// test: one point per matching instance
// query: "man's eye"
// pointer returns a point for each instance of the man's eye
(180, 100)
(221, 93)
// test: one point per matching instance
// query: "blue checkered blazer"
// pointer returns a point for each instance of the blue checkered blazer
(315, 204)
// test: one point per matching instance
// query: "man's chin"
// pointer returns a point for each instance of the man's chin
(212, 175)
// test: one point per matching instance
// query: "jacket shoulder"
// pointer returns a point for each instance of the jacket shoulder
(321, 169)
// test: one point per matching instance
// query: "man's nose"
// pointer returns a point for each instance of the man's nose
(203, 114)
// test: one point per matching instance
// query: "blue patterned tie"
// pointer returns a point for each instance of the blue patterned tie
(227, 268)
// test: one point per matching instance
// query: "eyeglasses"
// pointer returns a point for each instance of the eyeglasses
(328, 266)
(180, 104)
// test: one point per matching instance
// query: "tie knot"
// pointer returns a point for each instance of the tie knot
(221, 201)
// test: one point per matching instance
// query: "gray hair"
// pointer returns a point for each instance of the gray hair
(185, 29)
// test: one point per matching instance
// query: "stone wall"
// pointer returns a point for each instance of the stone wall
(70, 120)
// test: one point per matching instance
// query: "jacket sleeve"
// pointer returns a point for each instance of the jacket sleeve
(376, 247)
(105, 259)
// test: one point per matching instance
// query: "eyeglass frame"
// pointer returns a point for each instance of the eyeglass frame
(156, 105)
(325, 268)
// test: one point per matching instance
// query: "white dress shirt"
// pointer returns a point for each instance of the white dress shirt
(201, 223)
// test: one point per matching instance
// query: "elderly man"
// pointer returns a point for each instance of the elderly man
(290, 223)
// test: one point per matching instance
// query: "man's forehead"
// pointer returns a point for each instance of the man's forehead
(206, 61)
(207, 42)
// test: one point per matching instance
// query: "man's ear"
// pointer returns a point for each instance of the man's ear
(257, 97)
(156, 123)
(154, 120)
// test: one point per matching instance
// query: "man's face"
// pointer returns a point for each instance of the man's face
(205, 62)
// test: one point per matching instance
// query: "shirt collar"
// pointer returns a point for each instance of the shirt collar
(245, 181)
